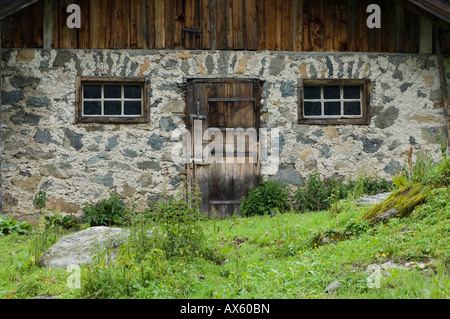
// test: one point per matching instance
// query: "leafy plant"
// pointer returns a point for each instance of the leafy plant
(314, 196)
(39, 200)
(265, 199)
(9, 226)
(63, 221)
(106, 212)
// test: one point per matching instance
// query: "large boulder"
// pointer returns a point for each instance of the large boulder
(79, 248)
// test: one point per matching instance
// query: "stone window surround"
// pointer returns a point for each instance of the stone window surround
(365, 102)
(80, 118)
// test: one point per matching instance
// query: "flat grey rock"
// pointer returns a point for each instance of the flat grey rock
(370, 200)
(79, 248)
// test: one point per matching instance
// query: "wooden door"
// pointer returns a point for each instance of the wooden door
(229, 108)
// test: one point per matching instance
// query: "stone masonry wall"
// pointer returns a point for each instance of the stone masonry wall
(44, 149)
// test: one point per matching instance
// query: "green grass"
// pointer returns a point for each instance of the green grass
(264, 257)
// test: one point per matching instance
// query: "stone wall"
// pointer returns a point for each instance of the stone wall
(44, 149)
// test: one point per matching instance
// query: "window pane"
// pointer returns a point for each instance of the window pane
(312, 108)
(132, 108)
(132, 91)
(311, 92)
(112, 91)
(92, 108)
(352, 108)
(332, 108)
(113, 108)
(331, 92)
(92, 91)
(352, 92)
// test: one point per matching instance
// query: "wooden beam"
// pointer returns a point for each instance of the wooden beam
(47, 15)
(426, 36)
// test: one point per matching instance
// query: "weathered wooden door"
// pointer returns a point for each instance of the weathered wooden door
(229, 108)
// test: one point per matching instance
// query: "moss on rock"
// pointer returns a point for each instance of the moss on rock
(399, 204)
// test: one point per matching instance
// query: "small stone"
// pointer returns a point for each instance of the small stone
(287, 89)
(146, 165)
(209, 63)
(387, 118)
(129, 153)
(287, 174)
(333, 287)
(112, 143)
(72, 139)
(371, 145)
(20, 81)
(332, 132)
(156, 142)
(393, 167)
(30, 184)
(58, 170)
(38, 101)
(167, 124)
(44, 137)
(25, 56)
(405, 86)
(276, 66)
(390, 213)
(302, 138)
(105, 180)
(12, 97)
(22, 117)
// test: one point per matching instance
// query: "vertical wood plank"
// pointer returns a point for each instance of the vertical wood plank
(179, 24)
(84, 33)
(220, 25)
(169, 13)
(313, 26)
(318, 25)
(340, 39)
(189, 38)
(400, 27)
(352, 26)
(251, 25)
(56, 18)
(278, 23)
(286, 25)
(142, 24)
(120, 24)
(229, 24)
(330, 24)
(388, 25)
(271, 6)
(206, 23)
(151, 30)
(363, 41)
(100, 24)
(297, 24)
(160, 40)
(261, 27)
(238, 25)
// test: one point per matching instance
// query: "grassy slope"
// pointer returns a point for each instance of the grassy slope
(275, 257)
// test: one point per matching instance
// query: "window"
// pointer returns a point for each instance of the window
(334, 102)
(115, 100)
